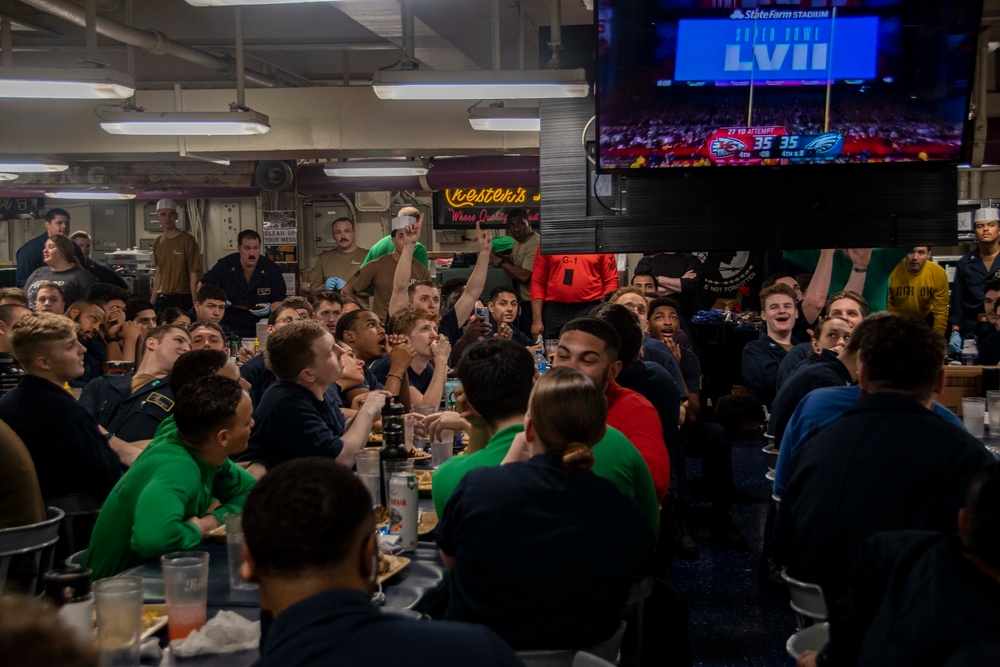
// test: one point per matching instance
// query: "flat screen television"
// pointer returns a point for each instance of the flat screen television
(744, 83)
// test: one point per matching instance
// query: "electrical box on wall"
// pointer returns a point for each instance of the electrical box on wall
(231, 226)
(323, 215)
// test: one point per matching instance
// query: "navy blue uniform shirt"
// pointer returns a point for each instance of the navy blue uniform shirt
(69, 452)
(343, 627)
(823, 370)
(544, 557)
(130, 416)
(259, 377)
(266, 285)
(290, 422)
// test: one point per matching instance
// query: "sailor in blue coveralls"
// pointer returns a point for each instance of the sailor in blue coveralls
(253, 285)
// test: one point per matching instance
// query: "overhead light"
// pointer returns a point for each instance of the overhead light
(367, 168)
(89, 194)
(65, 83)
(7, 177)
(179, 123)
(233, 3)
(500, 119)
(32, 167)
(479, 85)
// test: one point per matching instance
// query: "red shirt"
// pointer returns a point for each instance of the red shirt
(633, 415)
(573, 278)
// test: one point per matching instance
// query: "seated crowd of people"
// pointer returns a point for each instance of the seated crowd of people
(573, 487)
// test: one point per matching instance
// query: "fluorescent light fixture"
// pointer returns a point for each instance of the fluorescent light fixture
(368, 168)
(65, 83)
(500, 119)
(32, 167)
(7, 177)
(89, 194)
(181, 123)
(479, 85)
(233, 3)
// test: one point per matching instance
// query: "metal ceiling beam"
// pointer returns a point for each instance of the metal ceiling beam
(149, 40)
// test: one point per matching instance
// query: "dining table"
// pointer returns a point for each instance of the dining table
(413, 592)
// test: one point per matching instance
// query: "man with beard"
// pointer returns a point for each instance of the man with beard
(253, 284)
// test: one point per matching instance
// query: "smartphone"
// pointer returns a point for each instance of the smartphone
(483, 313)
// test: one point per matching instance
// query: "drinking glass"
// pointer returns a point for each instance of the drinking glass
(993, 410)
(550, 345)
(119, 620)
(419, 438)
(234, 546)
(185, 582)
(442, 448)
(367, 462)
(973, 414)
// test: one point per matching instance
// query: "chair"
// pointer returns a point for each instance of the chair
(607, 650)
(76, 560)
(772, 453)
(807, 600)
(76, 505)
(769, 476)
(812, 638)
(637, 596)
(36, 540)
(584, 659)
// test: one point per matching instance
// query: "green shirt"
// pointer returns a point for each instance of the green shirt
(615, 459)
(385, 246)
(145, 516)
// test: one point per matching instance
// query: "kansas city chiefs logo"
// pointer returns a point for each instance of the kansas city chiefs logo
(726, 147)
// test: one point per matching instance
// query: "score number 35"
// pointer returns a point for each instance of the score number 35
(765, 143)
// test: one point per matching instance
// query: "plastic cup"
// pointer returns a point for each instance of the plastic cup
(973, 414)
(234, 547)
(367, 461)
(442, 448)
(393, 466)
(419, 438)
(993, 410)
(119, 621)
(185, 582)
(550, 345)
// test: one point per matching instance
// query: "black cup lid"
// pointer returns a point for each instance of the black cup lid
(63, 586)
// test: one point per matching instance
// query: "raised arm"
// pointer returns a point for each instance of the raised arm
(404, 270)
(477, 279)
(435, 389)
(815, 296)
(860, 257)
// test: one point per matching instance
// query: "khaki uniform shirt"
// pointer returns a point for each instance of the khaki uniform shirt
(378, 275)
(175, 259)
(336, 264)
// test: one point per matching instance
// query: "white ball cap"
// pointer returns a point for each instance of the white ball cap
(166, 203)
(988, 213)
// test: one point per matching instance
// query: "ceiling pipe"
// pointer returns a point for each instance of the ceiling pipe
(460, 172)
(177, 193)
(150, 40)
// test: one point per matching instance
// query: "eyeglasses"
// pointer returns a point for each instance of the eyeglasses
(288, 319)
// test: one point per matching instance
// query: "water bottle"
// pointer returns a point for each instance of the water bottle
(540, 362)
(970, 352)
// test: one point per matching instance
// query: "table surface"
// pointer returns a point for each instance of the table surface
(415, 588)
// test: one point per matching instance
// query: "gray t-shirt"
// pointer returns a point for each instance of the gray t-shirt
(74, 282)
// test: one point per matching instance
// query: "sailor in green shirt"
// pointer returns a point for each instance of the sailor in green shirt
(498, 375)
(162, 503)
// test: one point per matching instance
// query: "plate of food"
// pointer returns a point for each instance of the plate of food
(417, 454)
(427, 523)
(154, 618)
(390, 566)
(218, 534)
(424, 480)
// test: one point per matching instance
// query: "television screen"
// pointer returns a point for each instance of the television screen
(692, 83)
